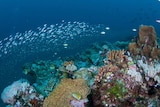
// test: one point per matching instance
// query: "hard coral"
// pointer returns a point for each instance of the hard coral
(117, 58)
(62, 95)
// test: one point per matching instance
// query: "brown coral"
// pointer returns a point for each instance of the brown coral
(146, 44)
(62, 95)
(133, 48)
(117, 58)
(68, 63)
(147, 35)
(116, 55)
(146, 51)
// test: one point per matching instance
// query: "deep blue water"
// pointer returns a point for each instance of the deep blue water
(18, 16)
(120, 15)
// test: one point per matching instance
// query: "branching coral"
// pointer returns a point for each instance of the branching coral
(62, 95)
(117, 58)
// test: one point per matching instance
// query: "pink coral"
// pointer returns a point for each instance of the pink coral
(79, 103)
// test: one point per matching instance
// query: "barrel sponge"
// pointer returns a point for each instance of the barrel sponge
(62, 94)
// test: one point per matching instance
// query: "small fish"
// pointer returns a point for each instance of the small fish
(158, 21)
(25, 71)
(77, 96)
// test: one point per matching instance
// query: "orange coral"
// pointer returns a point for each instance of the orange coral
(62, 94)
(115, 55)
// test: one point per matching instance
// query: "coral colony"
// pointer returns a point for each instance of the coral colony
(104, 75)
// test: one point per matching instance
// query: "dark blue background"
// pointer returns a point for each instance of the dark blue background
(120, 15)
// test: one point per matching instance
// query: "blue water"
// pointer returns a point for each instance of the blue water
(18, 16)
(120, 15)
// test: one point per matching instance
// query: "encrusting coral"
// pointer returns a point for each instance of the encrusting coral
(62, 95)
(146, 43)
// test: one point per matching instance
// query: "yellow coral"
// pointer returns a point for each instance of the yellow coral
(62, 94)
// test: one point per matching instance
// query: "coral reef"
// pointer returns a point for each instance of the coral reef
(150, 70)
(22, 94)
(110, 75)
(62, 95)
(68, 69)
(129, 85)
(117, 58)
(88, 74)
(146, 43)
(47, 77)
